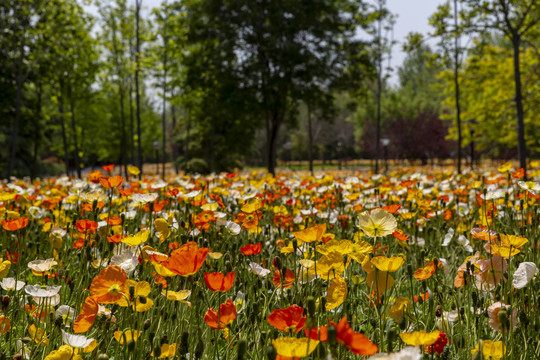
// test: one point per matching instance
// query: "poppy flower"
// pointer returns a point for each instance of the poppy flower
(249, 220)
(86, 226)
(5, 325)
(317, 333)
(426, 272)
(111, 182)
(87, 317)
(126, 192)
(294, 348)
(15, 224)
(252, 206)
(187, 259)
(217, 281)
(311, 234)
(110, 285)
(291, 319)
(94, 176)
(251, 249)
(227, 314)
(357, 343)
(378, 223)
(123, 337)
(421, 337)
(108, 167)
(337, 293)
(490, 350)
(142, 290)
(287, 281)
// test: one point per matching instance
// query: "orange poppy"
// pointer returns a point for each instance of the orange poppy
(287, 281)
(94, 176)
(426, 272)
(519, 173)
(251, 249)
(114, 220)
(291, 318)
(311, 234)
(86, 226)
(421, 297)
(15, 224)
(126, 192)
(250, 220)
(217, 281)
(108, 167)
(400, 235)
(114, 238)
(110, 285)
(357, 343)
(187, 259)
(5, 325)
(87, 317)
(392, 209)
(111, 182)
(12, 256)
(227, 314)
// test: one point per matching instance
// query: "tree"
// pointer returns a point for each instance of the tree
(265, 56)
(515, 19)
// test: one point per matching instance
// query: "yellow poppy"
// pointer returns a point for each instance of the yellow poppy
(294, 347)
(337, 292)
(384, 263)
(421, 337)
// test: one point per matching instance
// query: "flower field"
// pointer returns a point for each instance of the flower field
(340, 265)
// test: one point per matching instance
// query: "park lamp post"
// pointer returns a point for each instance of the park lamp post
(156, 145)
(385, 142)
(472, 123)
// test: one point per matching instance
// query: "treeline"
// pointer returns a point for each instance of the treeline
(213, 85)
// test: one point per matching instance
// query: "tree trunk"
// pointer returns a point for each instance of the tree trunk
(271, 144)
(456, 86)
(137, 91)
(63, 125)
(520, 126)
(132, 134)
(173, 134)
(310, 143)
(74, 129)
(123, 161)
(164, 115)
(37, 131)
(18, 103)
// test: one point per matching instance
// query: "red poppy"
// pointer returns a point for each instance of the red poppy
(15, 224)
(111, 182)
(12, 256)
(289, 319)
(187, 259)
(320, 333)
(86, 226)
(108, 168)
(227, 314)
(421, 297)
(217, 281)
(251, 249)
(172, 193)
(400, 235)
(287, 281)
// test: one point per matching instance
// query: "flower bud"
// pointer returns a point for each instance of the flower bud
(277, 262)
(311, 305)
(271, 353)
(242, 346)
(157, 351)
(199, 350)
(131, 345)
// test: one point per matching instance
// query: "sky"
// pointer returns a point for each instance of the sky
(412, 15)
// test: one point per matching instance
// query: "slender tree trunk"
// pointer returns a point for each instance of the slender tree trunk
(310, 137)
(187, 137)
(123, 161)
(379, 92)
(63, 126)
(37, 131)
(456, 86)
(18, 104)
(272, 139)
(131, 129)
(138, 4)
(164, 114)
(74, 129)
(520, 126)
(173, 134)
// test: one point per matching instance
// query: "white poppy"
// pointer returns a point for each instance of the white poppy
(127, 260)
(233, 227)
(448, 237)
(492, 195)
(76, 341)
(67, 313)
(523, 274)
(530, 186)
(10, 284)
(258, 269)
(42, 291)
(42, 265)
(407, 353)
